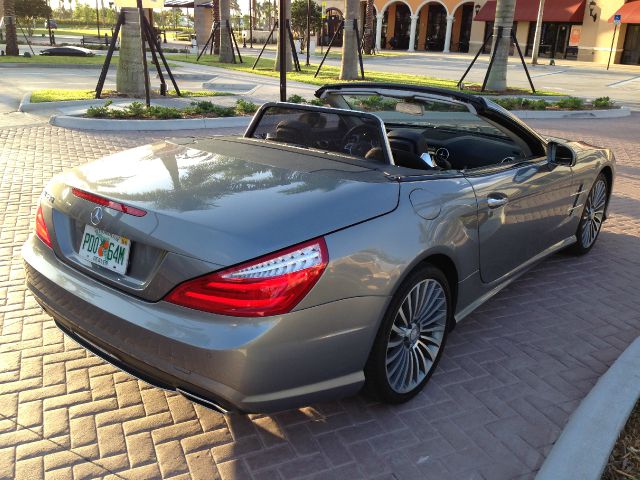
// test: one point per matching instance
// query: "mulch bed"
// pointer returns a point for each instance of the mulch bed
(624, 462)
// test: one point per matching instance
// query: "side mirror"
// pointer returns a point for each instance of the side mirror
(560, 154)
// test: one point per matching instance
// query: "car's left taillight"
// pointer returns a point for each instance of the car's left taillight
(41, 228)
(270, 285)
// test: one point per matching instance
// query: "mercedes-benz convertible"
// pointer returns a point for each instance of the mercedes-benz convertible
(327, 249)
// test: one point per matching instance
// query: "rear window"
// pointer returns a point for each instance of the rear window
(338, 132)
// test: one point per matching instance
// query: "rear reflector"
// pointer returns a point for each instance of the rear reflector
(270, 285)
(41, 228)
(105, 202)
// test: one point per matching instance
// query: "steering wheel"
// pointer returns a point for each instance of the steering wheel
(360, 139)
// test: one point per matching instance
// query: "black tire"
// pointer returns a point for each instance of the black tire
(378, 383)
(597, 199)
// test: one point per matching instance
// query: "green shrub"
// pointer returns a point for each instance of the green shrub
(603, 103)
(99, 112)
(318, 102)
(571, 103)
(244, 107)
(163, 113)
(296, 99)
(205, 107)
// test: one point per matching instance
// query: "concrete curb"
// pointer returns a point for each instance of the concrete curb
(25, 102)
(571, 114)
(583, 448)
(48, 65)
(104, 124)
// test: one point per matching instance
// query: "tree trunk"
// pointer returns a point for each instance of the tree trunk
(369, 34)
(287, 13)
(216, 19)
(226, 48)
(9, 11)
(349, 65)
(497, 80)
(130, 74)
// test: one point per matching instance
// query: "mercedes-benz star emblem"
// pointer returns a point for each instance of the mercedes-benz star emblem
(96, 215)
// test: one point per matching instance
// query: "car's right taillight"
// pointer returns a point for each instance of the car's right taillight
(270, 285)
(41, 228)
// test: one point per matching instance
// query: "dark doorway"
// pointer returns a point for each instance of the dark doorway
(402, 28)
(554, 41)
(329, 27)
(631, 52)
(465, 27)
(436, 27)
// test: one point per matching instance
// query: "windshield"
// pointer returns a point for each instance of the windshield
(323, 129)
(421, 112)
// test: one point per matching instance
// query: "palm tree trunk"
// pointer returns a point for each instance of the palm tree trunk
(287, 14)
(226, 49)
(505, 10)
(349, 65)
(216, 20)
(130, 74)
(369, 38)
(10, 28)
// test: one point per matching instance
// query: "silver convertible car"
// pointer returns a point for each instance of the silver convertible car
(327, 249)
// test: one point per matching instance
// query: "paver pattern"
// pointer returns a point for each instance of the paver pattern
(511, 375)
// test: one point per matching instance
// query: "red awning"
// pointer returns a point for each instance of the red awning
(630, 13)
(570, 11)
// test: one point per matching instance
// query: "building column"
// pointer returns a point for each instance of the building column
(412, 33)
(447, 35)
(379, 19)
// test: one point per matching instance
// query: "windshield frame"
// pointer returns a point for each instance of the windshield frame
(255, 122)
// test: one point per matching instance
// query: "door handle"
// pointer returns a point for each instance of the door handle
(496, 200)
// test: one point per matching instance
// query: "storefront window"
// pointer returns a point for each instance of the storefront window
(558, 40)
(631, 52)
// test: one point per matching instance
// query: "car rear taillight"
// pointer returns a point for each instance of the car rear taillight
(105, 202)
(270, 285)
(41, 228)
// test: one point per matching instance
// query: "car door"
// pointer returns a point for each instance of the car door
(523, 209)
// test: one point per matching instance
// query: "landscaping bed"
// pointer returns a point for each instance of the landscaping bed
(568, 103)
(199, 109)
(331, 74)
(60, 95)
(624, 462)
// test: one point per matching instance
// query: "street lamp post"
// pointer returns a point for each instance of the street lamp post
(250, 23)
(308, 29)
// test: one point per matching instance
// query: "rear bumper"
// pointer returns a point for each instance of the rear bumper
(228, 363)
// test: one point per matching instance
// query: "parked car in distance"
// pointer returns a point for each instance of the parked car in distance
(68, 51)
(326, 249)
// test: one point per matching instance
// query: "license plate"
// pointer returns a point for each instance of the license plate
(105, 249)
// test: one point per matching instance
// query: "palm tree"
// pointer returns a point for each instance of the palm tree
(130, 74)
(286, 4)
(349, 65)
(505, 10)
(369, 38)
(216, 19)
(10, 28)
(226, 49)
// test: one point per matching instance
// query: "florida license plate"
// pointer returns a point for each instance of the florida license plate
(105, 249)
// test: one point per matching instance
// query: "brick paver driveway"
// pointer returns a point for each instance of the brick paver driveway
(510, 377)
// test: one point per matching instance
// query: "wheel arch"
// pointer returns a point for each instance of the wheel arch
(607, 171)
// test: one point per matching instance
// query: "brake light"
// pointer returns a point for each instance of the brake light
(270, 285)
(41, 228)
(105, 202)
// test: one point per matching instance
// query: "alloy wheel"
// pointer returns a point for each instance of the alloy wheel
(593, 213)
(416, 335)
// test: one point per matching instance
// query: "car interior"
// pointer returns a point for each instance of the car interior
(420, 137)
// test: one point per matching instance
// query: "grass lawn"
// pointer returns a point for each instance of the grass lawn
(59, 95)
(55, 60)
(330, 74)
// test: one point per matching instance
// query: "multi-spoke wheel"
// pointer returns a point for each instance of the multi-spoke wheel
(411, 337)
(592, 216)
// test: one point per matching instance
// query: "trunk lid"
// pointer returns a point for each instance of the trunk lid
(221, 201)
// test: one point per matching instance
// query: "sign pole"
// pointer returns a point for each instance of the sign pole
(617, 19)
(308, 28)
(282, 47)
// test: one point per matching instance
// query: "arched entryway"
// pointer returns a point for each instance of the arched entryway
(330, 26)
(461, 31)
(396, 26)
(432, 27)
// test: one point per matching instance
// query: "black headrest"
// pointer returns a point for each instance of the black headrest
(291, 131)
(408, 139)
(402, 158)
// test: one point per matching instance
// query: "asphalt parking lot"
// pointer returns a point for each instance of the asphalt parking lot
(512, 373)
